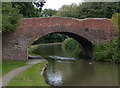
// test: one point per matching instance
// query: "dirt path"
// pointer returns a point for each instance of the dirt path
(9, 76)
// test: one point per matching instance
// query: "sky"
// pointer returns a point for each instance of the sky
(56, 4)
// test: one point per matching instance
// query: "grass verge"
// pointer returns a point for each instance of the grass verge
(8, 65)
(30, 77)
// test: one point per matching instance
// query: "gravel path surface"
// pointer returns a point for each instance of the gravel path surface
(10, 75)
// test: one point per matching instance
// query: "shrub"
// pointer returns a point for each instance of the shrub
(106, 51)
(72, 47)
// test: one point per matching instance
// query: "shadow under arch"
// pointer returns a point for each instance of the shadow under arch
(87, 46)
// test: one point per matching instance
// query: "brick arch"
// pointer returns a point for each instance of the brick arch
(87, 46)
(16, 43)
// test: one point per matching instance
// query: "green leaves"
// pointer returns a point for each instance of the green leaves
(106, 51)
(48, 12)
(68, 11)
(72, 47)
(116, 20)
(27, 9)
(89, 10)
(12, 12)
(10, 17)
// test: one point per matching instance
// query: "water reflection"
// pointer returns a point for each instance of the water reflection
(55, 78)
(81, 73)
(67, 71)
(49, 50)
(76, 72)
(52, 50)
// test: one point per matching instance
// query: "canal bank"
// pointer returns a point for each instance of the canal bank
(23, 77)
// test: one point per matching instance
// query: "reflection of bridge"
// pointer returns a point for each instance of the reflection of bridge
(86, 32)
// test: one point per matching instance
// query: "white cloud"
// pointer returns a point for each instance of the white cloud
(55, 4)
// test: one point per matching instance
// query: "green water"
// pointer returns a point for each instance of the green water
(55, 49)
(78, 72)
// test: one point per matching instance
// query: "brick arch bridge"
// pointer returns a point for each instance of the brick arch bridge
(15, 44)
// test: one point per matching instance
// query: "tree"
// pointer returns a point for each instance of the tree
(10, 17)
(27, 9)
(30, 9)
(89, 10)
(98, 9)
(12, 12)
(39, 4)
(116, 21)
(48, 12)
(68, 11)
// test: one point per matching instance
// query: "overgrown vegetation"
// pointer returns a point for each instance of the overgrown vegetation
(30, 77)
(106, 51)
(72, 47)
(8, 65)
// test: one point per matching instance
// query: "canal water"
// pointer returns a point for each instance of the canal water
(65, 70)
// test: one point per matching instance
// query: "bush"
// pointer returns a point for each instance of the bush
(107, 51)
(72, 47)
